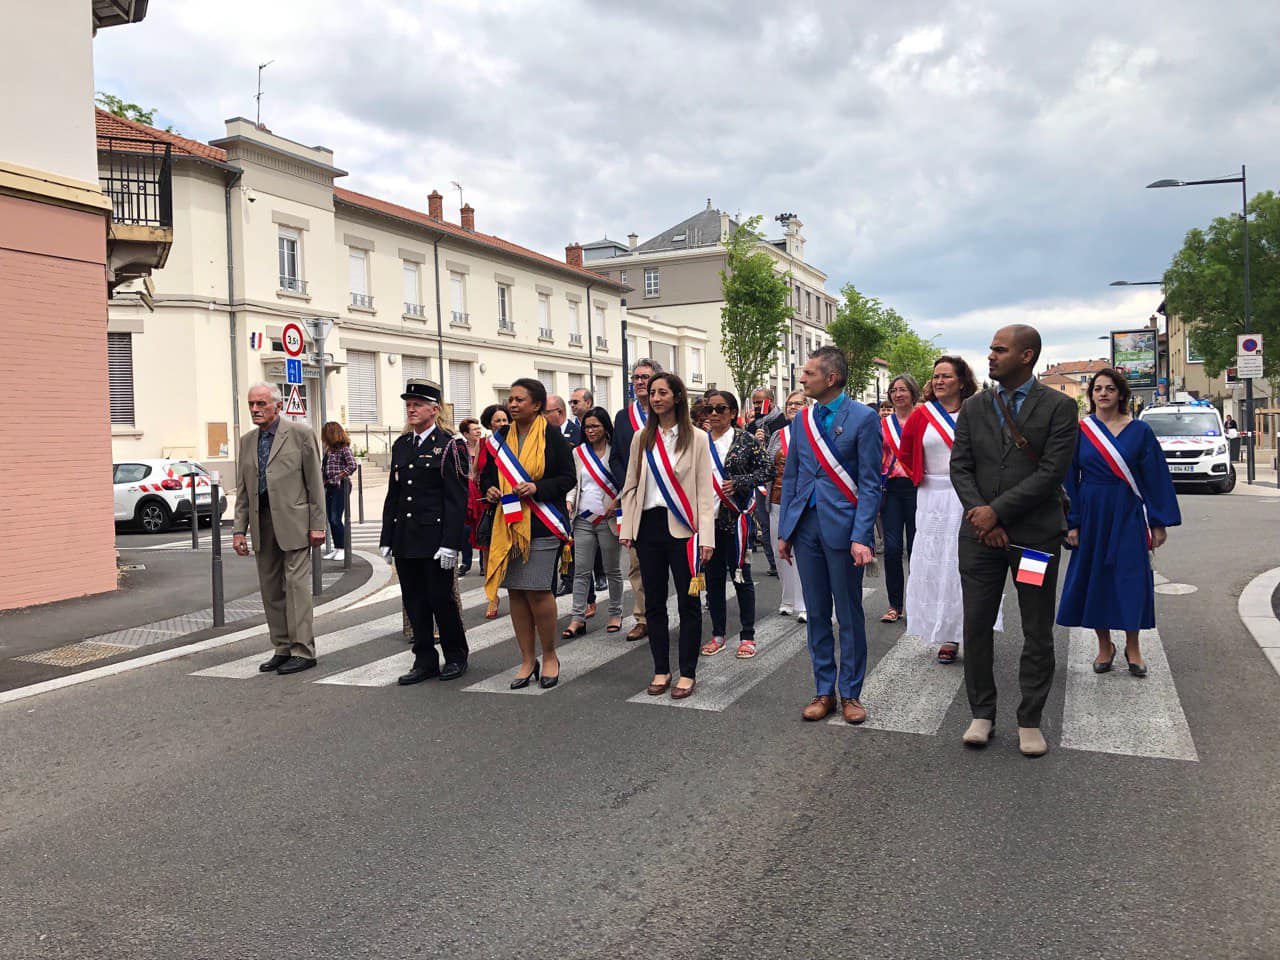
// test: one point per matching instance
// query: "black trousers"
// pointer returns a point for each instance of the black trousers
(719, 569)
(662, 555)
(984, 571)
(431, 598)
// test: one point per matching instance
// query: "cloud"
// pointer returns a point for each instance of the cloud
(960, 161)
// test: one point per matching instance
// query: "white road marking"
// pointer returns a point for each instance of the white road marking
(247, 667)
(1176, 589)
(909, 691)
(1118, 713)
(724, 678)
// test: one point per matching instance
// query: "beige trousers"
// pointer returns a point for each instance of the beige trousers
(637, 587)
(285, 579)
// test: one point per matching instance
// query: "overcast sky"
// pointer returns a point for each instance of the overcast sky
(969, 163)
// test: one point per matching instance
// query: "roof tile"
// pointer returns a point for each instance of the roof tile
(109, 125)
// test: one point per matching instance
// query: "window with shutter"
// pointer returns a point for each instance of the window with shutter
(548, 378)
(362, 387)
(120, 377)
(416, 368)
(460, 388)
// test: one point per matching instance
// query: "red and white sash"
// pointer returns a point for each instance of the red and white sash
(664, 475)
(785, 441)
(740, 522)
(636, 414)
(515, 474)
(598, 472)
(826, 458)
(942, 421)
(1113, 458)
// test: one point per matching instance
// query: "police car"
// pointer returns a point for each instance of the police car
(1194, 444)
(154, 494)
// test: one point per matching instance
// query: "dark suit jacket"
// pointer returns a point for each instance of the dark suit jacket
(571, 431)
(426, 503)
(620, 445)
(987, 469)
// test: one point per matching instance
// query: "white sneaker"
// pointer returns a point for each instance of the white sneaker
(785, 611)
(802, 618)
(329, 555)
(337, 555)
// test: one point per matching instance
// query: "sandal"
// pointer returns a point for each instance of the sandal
(491, 613)
(614, 625)
(591, 610)
(569, 631)
(713, 646)
(746, 649)
(891, 616)
(947, 652)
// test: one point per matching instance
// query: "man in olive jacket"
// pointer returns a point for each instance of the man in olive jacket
(1010, 484)
(280, 502)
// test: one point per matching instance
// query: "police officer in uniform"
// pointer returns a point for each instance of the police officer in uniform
(422, 528)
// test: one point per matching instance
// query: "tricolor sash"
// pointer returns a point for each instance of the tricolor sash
(740, 522)
(892, 431)
(512, 505)
(637, 415)
(942, 421)
(664, 475)
(826, 457)
(1114, 459)
(597, 471)
(785, 441)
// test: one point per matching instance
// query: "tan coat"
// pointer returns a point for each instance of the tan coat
(693, 470)
(294, 482)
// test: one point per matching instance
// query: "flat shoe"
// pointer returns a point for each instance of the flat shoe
(638, 632)
(274, 663)
(296, 665)
(1031, 742)
(658, 688)
(682, 693)
(979, 733)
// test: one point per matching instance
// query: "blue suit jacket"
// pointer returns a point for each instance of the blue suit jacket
(855, 437)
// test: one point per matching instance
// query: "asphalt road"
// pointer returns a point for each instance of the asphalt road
(161, 814)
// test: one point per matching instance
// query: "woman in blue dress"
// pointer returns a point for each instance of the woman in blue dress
(1120, 489)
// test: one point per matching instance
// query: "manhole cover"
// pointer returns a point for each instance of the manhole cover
(133, 566)
(1176, 589)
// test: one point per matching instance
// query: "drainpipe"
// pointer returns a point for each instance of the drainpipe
(439, 320)
(234, 443)
(591, 348)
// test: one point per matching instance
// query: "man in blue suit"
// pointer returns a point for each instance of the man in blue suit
(831, 536)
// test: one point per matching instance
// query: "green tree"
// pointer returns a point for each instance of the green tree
(911, 353)
(864, 328)
(757, 309)
(1205, 285)
(129, 111)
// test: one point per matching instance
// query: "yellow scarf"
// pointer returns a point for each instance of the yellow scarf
(515, 536)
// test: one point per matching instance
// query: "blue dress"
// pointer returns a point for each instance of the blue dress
(1109, 585)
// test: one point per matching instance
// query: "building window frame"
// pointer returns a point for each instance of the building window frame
(120, 382)
(289, 259)
(652, 282)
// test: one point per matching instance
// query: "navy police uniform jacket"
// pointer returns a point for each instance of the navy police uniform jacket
(426, 503)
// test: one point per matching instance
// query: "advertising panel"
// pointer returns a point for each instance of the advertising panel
(1133, 353)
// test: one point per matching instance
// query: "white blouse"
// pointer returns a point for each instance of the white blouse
(652, 495)
(591, 496)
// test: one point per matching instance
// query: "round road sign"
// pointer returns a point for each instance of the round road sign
(292, 340)
(1249, 345)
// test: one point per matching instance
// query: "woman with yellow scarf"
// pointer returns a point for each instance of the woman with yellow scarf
(524, 552)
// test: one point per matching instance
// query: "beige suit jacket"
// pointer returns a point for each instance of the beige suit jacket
(294, 482)
(693, 470)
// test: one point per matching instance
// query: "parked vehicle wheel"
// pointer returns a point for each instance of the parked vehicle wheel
(1227, 485)
(153, 516)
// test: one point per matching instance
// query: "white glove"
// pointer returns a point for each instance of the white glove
(386, 555)
(448, 558)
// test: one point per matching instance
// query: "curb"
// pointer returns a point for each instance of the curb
(378, 579)
(1255, 610)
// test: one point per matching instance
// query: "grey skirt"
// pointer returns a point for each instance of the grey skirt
(539, 571)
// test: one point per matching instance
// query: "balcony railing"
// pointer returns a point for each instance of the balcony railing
(414, 309)
(544, 333)
(602, 343)
(575, 339)
(506, 324)
(137, 175)
(362, 300)
(293, 284)
(460, 319)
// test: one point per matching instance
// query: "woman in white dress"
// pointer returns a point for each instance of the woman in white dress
(934, 599)
(779, 445)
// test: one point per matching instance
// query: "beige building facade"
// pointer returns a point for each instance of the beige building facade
(264, 237)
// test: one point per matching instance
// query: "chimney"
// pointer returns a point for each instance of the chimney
(468, 213)
(633, 239)
(724, 227)
(573, 255)
(435, 205)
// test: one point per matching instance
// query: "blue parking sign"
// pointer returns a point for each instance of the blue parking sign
(293, 370)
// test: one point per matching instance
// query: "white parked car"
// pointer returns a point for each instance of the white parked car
(1194, 444)
(154, 494)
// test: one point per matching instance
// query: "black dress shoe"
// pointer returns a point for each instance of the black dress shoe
(1135, 669)
(519, 683)
(452, 671)
(274, 663)
(773, 571)
(546, 683)
(296, 665)
(417, 675)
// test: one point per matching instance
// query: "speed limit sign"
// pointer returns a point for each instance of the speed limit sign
(292, 340)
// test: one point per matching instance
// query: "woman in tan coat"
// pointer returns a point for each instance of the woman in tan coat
(667, 499)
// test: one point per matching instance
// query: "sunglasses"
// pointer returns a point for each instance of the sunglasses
(719, 408)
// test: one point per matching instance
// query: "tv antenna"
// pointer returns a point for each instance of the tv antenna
(261, 67)
(457, 186)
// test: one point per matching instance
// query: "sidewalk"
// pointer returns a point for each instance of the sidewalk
(163, 601)
(1264, 476)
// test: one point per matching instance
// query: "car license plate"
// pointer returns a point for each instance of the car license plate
(202, 498)
(1182, 468)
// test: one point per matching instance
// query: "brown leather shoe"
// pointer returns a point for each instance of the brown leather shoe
(638, 632)
(658, 689)
(680, 693)
(819, 707)
(853, 710)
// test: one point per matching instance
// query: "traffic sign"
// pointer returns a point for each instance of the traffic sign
(1249, 356)
(293, 340)
(1248, 343)
(294, 407)
(293, 370)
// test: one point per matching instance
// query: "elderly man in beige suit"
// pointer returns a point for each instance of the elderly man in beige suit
(280, 501)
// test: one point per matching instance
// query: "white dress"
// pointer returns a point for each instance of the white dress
(934, 600)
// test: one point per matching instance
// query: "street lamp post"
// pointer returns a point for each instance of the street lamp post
(1248, 306)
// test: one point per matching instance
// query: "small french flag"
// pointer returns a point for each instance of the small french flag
(1032, 567)
(255, 341)
(512, 510)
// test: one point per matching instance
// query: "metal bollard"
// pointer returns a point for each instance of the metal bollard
(317, 570)
(360, 488)
(346, 512)
(215, 543)
(195, 516)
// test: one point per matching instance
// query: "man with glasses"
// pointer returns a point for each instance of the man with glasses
(580, 403)
(557, 417)
(764, 419)
(629, 421)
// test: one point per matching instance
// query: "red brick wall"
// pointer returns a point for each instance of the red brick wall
(56, 531)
